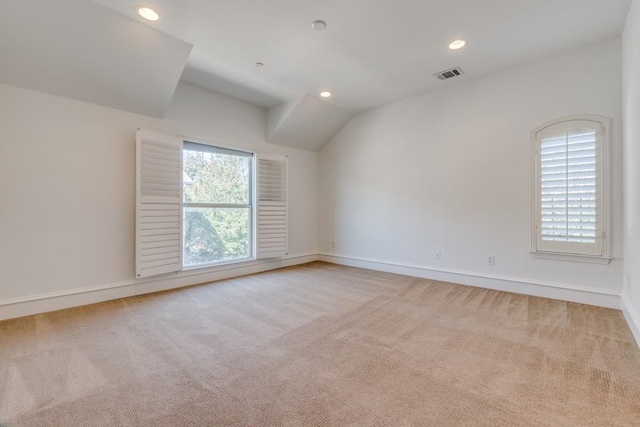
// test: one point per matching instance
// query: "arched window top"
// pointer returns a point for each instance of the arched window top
(570, 197)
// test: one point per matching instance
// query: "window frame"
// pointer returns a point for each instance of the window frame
(215, 147)
(559, 253)
(159, 208)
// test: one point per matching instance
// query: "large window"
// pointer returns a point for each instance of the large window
(570, 197)
(217, 204)
(196, 205)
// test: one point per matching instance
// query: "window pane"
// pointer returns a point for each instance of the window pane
(216, 178)
(216, 235)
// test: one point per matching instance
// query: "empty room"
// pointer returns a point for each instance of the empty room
(320, 213)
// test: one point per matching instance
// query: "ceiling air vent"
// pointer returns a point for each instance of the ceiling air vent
(449, 74)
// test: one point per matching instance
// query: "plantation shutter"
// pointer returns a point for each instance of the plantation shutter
(158, 203)
(570, 188)
(271, 238)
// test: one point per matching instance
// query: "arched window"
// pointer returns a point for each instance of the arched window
(570, 196)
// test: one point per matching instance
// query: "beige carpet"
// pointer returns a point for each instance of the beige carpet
(321, 345)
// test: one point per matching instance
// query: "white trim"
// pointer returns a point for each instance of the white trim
(632, 317)
(590, 259)
(559, 291)
(212, 143)
(218, 264)
(35, 304)
(552, 250)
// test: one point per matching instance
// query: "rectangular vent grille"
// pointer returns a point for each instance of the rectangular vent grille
(449, 74)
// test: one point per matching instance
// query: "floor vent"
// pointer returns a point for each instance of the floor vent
(449, 74)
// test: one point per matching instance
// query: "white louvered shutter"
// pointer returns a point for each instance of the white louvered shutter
(271, 239)
(570, 188)
(158, 203)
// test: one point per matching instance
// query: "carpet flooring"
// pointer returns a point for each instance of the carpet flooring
(321, 345)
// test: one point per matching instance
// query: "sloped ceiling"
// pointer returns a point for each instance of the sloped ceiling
(371, 53)
(306, 123)
(81, 50)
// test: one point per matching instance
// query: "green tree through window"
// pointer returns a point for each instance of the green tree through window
(217, 204)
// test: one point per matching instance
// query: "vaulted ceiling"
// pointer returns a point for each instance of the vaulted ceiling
(372, 51)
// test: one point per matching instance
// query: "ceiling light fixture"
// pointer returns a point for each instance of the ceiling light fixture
(326, 94)
(259, 64)
(318, 25)
(457, 44)
(147, 13)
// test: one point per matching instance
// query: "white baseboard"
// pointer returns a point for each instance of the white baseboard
(564, 292)
(632, 316)
(35, 304)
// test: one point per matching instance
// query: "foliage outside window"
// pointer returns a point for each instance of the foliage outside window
(217, 204)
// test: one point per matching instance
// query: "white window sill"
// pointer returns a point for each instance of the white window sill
(212, 265)
(590, 259)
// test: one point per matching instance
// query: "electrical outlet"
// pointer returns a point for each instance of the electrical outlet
(491, 260)
(438, 255)
(333, 245)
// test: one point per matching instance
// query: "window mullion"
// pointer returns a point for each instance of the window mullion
(215, 205)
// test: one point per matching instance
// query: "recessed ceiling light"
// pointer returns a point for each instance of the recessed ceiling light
(326, 94)
(457, 44)
(259, 64)
(147, 13)
(318, 25)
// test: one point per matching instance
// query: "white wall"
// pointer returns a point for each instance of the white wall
(631, 150)
(450, 170)
(67, 170)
